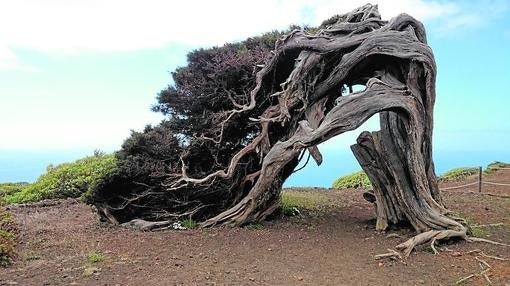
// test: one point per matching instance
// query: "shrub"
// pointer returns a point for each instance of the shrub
(7, 237)
(354, 180)
(68, 180)
(11, 188)
(458, 174)
(494, 166)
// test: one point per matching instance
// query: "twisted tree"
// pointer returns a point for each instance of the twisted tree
(239, 127)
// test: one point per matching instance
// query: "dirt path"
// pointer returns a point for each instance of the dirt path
(332, 248)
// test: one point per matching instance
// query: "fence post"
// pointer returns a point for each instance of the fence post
(480, 179)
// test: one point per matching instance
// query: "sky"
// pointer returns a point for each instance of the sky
(78, 75)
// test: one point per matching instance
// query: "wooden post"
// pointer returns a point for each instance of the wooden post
(480, 179)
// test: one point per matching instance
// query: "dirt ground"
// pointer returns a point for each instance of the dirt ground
(332, 247)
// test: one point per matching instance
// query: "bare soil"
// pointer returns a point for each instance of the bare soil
(334, 246)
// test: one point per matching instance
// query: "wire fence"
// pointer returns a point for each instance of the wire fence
(480, 182)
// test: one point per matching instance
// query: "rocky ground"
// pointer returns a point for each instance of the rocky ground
(332, 242)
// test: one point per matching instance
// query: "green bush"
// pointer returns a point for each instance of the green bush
(354, 180)
(10, 188)
(458, 174)
(7, 237)
(68, 180)
(494, 166)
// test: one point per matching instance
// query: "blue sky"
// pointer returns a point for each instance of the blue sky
(79, 75)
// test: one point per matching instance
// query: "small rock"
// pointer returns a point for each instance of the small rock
(421, 281)
(380, 264)
(251, 279)
(300, 278)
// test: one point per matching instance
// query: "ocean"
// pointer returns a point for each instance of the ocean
(27, 166)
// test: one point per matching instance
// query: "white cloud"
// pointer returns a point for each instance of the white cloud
(9, 61)
(472, 15)
(58, 27)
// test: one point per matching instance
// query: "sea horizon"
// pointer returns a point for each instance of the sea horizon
(27, 166)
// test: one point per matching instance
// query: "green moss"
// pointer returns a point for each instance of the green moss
(458, 174)
(354, 180)
(68, 180)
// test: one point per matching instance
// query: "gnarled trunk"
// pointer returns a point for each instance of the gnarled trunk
(298, 97)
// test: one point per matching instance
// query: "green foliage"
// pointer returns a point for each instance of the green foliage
(293, 201)
(10, 188)
(189, 223)
(95, 257)
(354, 180)
(494, 166)
(211, 84)
(7, 237)
(458, 174)
(68, 180)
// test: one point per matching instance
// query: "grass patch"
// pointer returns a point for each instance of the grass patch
(95, 257)
(478, 232)
(352, 181)
(458, 174)
(295, 201)
(68, 180)
(189, 223)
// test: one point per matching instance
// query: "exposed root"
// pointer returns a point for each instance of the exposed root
(481, 253)
(143, 225)
(392, 254)
(429, 236)
(485, 268)
(477, 239)
(482, 273)
(489, 225)
(433, 236)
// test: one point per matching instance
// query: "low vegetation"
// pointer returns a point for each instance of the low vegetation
(68, 180)
(11, 188)
(494, 166)
(95, 257)
(293, 202)
(189, 223)
(352, 181)
(458, 174)
(7, 237)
